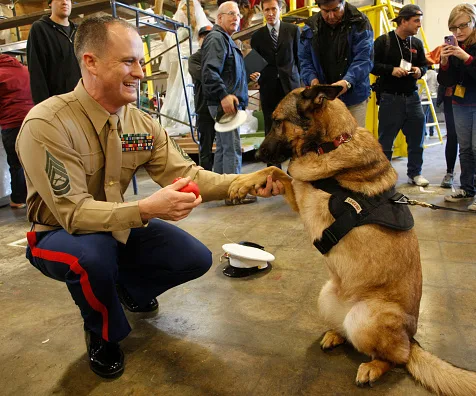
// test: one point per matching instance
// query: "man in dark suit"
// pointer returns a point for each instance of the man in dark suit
(277, 42)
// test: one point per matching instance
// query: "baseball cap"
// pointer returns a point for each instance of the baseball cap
(408, 11)
(204, 30)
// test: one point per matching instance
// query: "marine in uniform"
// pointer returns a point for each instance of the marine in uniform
(80, 151)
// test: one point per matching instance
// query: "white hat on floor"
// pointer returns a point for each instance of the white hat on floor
(245, 260)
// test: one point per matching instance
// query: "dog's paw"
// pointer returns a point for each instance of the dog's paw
(331, 339)
(370, 372)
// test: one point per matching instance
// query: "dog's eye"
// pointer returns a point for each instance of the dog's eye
(278, 123)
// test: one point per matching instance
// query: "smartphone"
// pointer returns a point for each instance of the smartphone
(451, 40)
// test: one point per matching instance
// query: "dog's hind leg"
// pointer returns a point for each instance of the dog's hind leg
(378, 329)
(333, 311)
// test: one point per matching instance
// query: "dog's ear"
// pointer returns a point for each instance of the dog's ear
(317, 93)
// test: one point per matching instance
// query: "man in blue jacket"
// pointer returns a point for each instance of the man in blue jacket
(225, 84)
(336, 47)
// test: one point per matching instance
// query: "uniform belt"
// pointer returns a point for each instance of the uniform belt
(43, 227)
(400, 93)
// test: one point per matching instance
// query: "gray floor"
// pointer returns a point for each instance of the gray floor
(222, 336)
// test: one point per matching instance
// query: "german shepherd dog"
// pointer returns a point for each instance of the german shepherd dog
(373, 296)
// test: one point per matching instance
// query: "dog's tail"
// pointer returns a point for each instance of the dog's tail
(439, 376)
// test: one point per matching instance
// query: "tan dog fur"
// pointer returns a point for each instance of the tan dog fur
(373, 296)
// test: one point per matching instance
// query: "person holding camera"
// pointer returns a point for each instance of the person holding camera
(399, 60)
(458, 68)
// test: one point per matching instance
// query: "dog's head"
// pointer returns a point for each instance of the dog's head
(303, 120)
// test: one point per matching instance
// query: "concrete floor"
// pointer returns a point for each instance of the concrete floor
(222, 336)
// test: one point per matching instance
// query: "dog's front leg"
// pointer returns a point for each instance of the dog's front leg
(251, 182)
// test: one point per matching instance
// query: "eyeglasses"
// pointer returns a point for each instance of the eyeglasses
(232, 14)
(453, 29)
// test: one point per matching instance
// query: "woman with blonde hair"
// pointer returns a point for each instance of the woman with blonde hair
(458, 68)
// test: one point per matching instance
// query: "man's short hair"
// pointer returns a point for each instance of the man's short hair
(92, 34)
(280, 3)
(324, 2)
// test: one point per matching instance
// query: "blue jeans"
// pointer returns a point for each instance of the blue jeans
(465, 122)
(228, 150)
(402, 112)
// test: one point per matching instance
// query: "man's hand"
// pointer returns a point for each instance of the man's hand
(272, 188)
(399, 72)
(255, 76)
(228, 104)
(416, 73)
(453, 50)
(343, 84)
(315, 81)
(169, 203)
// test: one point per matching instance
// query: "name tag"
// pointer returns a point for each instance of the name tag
(460, 91)
(405, 65)
(137, 142)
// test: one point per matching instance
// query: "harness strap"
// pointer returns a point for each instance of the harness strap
(336, 231)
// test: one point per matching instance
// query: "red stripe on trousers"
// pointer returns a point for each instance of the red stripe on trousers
(74, 266)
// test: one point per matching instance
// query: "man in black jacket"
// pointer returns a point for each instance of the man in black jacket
(277, 42)
(52, 64)
(400, 61)
(205, 122)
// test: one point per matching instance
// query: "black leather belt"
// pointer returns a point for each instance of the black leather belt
(406, 94)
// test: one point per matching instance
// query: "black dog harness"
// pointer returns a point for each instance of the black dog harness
(351, 209)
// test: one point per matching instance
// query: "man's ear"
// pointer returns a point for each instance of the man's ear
(317, 93)
(90, 62)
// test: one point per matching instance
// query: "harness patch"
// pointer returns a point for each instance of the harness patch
(57, 175)
(354, 204)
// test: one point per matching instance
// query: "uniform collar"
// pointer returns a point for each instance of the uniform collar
(96, 113)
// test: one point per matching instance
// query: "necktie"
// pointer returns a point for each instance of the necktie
(112, 177)
(274, 37)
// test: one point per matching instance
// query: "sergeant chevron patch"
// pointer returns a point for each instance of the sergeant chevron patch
(184, 155)
(57, 174)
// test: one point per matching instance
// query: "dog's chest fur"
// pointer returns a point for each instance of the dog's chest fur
(313, 207)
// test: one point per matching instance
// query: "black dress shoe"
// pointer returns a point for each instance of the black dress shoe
(131, 305)
(106, 359)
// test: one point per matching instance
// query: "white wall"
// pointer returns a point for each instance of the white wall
(435, 19)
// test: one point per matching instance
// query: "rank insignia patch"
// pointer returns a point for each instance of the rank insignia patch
(57, 174)
(179, 149)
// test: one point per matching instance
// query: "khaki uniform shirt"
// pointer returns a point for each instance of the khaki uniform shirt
(59, 146)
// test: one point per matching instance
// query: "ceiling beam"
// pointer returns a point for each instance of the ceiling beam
(87, 7)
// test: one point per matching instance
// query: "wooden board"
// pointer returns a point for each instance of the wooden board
(248, 143)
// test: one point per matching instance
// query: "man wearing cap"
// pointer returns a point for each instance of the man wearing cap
(53, 67)
(336, 48)
(224, 84)
(205, 122)
(400, 61)
(277, 42)
(80, 151)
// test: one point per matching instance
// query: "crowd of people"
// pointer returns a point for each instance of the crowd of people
(83, 141)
